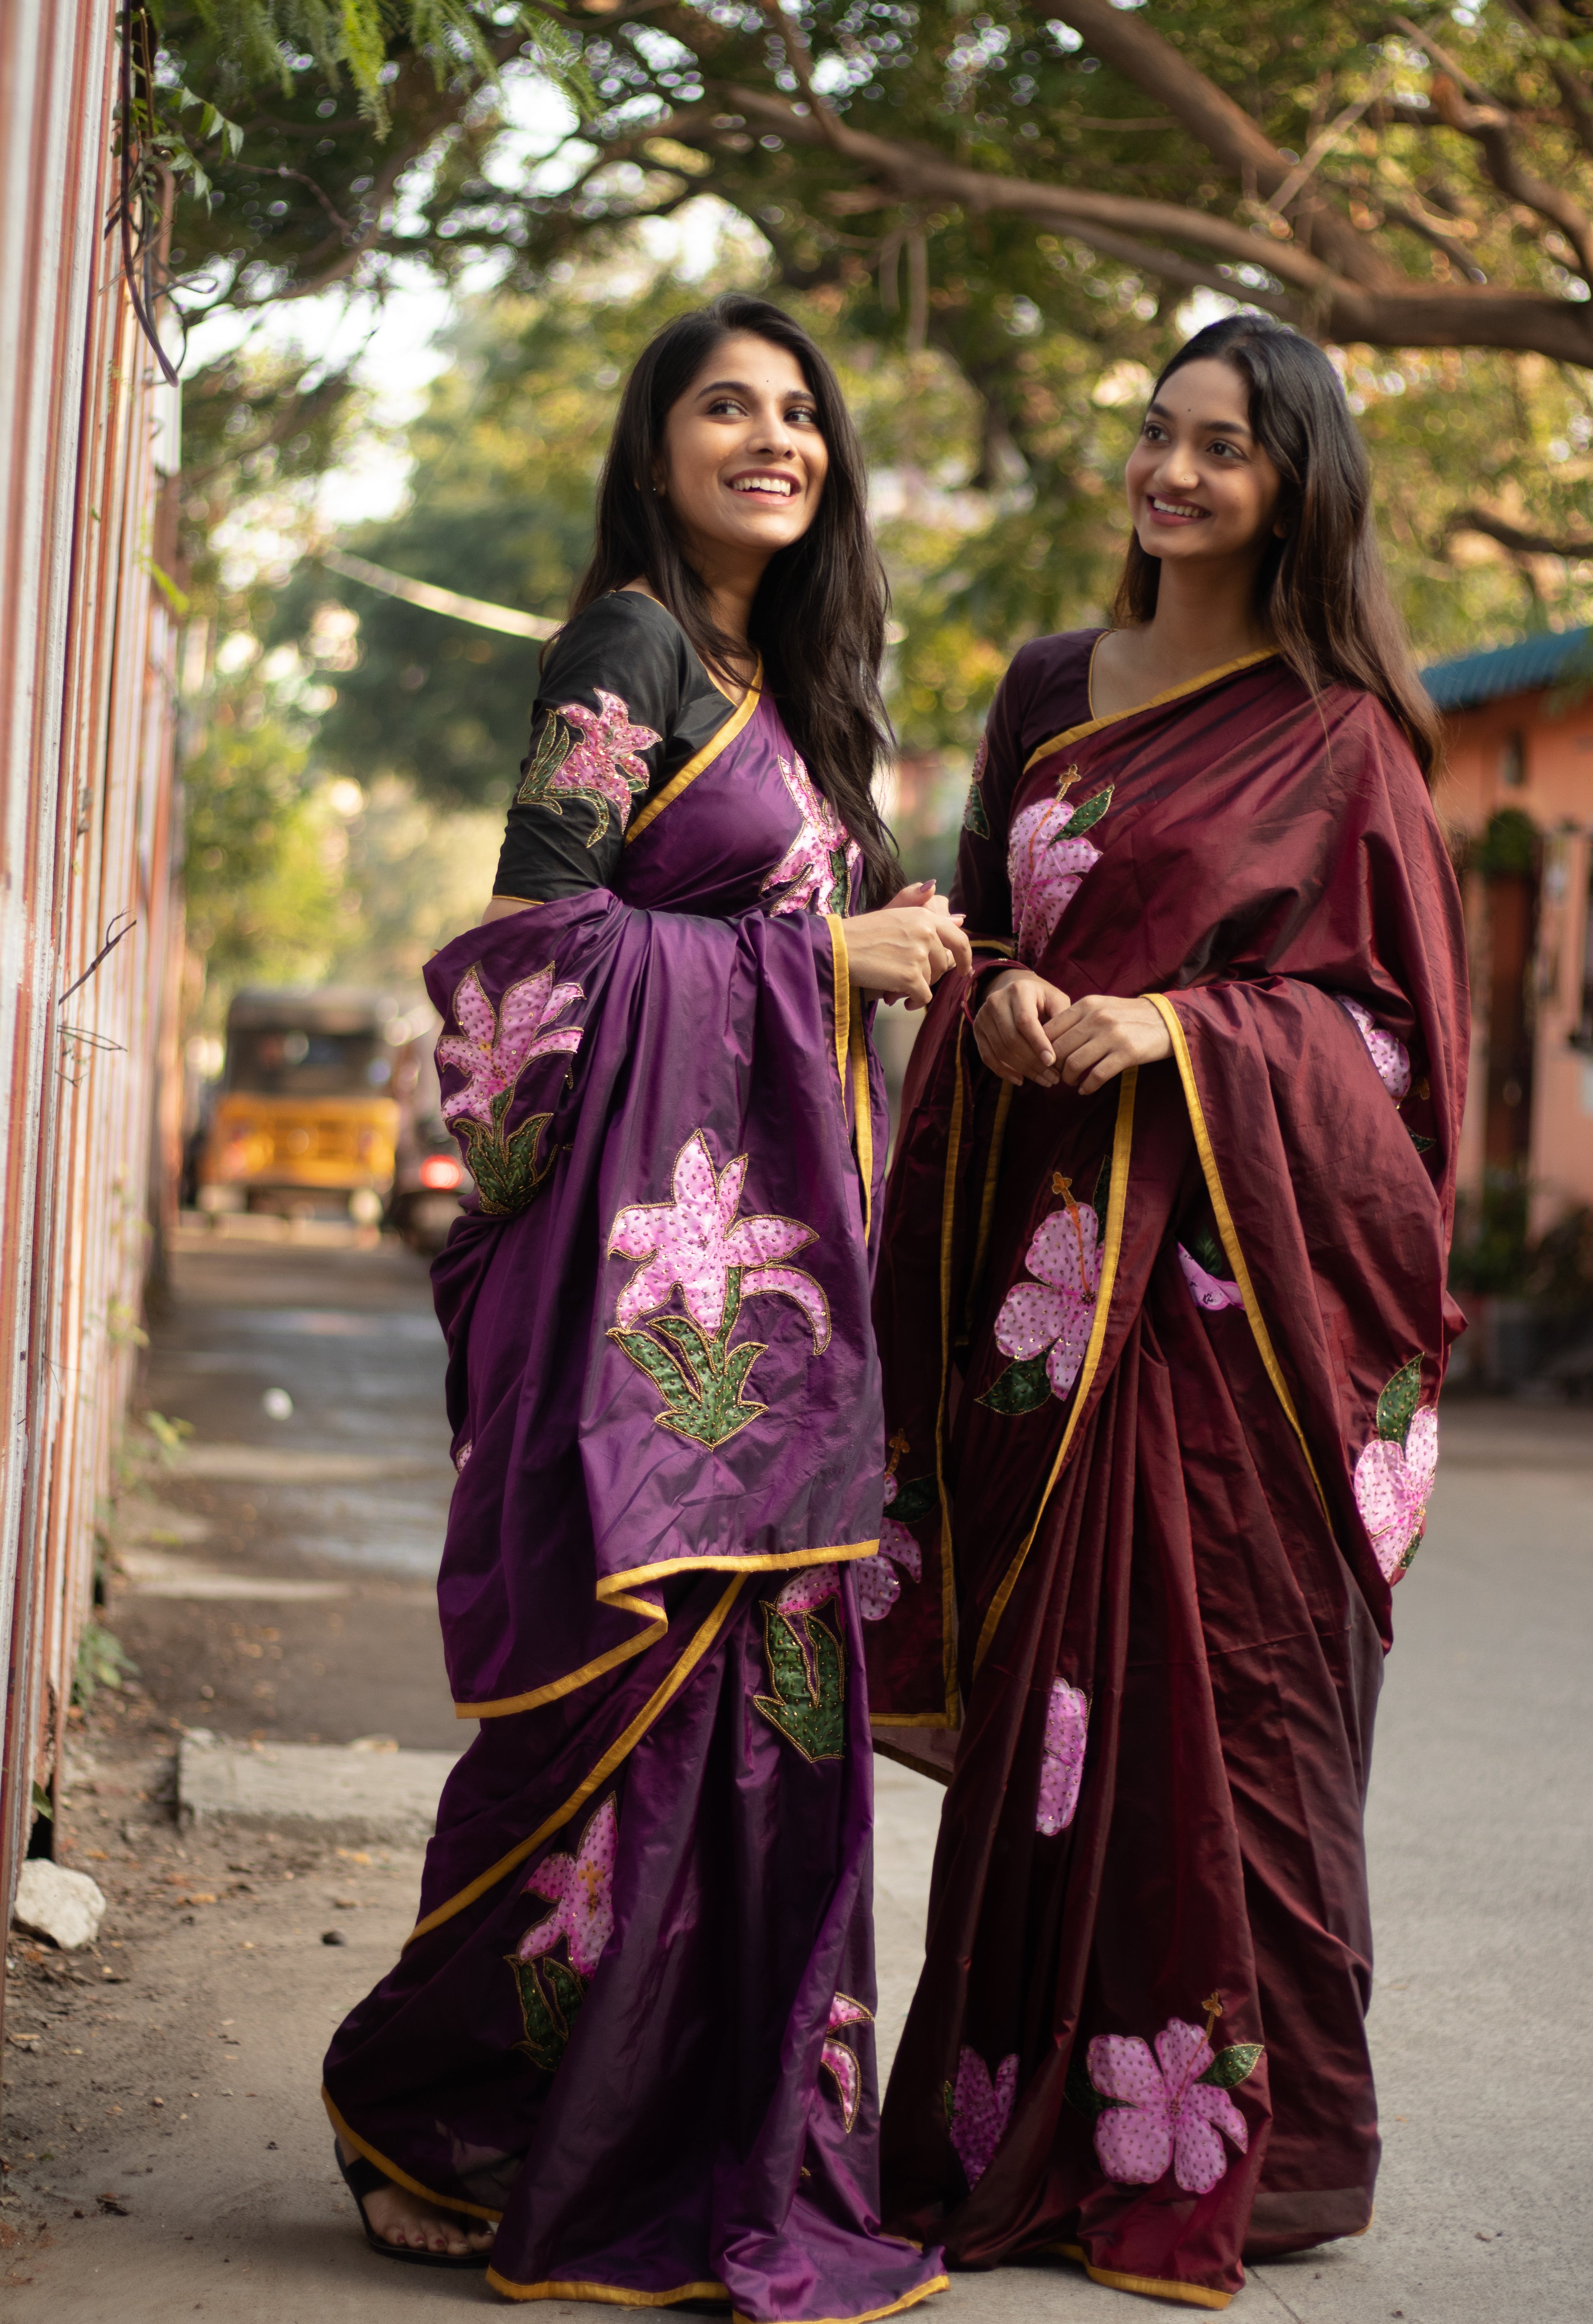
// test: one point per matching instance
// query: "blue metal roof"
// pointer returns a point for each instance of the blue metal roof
(1545, 660)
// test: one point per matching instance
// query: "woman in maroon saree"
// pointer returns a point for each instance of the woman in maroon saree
(628, 2044)
(1180, 1260)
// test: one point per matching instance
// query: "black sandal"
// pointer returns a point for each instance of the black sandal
(362, 2179)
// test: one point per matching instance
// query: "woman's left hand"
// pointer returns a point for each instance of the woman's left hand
(1102, 1035)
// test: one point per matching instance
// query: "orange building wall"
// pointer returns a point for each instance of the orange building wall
(1556, 790)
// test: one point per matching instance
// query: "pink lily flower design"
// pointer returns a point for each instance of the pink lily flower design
(1385, 1050)
(1393, 1485)
(607, 760)
(494, 1046)
(1062, 1758)
(1058, 1311)
(1045, 872)
(878, 1586)
(580, 1888)
(1212, 1292)
(697, 1239)
(980, 2111)
(1165, 2113)
(839, 2060)
(808, 873)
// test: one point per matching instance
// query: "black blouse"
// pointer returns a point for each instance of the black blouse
(622, 705)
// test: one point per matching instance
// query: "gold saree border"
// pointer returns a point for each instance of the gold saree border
(862, 1107)
(1226, 1228)
(658, 1701)
(400, 2178)
(1116, 1210)
(841, 972)
(612, 1589)
(612, 2295)
(504, 1706)
(1151, 2287)
(872, 2315)
(706, 757)
(1153, 702)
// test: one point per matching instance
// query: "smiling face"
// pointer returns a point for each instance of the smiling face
(1198, 484)
(744, 463)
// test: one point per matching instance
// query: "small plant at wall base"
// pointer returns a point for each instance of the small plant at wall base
(102, 1661)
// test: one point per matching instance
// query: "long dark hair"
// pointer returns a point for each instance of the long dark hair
(1321, 588)
(818, 619)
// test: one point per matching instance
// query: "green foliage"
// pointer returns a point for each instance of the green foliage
(169, 1435)
(1507, 846)
(1491, 1252)
(264, 851)
(102, 1661)
(42, 1803)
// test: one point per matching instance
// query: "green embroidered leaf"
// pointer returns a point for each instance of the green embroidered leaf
(548, 2002)
(1422, 1145)
(915, 1500)
(553, 748)
(975, 818)
(508, 1175)
(1021, 1387)
(807, 1701)
(1233, 2065)
(1087, 815)
(1080, 2091)
(1206, 1251)
(1404, 1562)
(661, 1368)
(839, 895)
(1397, 1404)
(948, 2099)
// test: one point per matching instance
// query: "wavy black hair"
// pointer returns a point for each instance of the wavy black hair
(818, 619)
(1321, 589)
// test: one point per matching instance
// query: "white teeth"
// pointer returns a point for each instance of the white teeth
(778, 487)
(1174, 508)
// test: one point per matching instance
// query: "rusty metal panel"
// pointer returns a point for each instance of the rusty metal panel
(86, 809)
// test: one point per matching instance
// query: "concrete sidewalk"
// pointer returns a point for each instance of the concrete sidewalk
(175, 2070)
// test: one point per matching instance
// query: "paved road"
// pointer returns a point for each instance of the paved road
(1483, 2018)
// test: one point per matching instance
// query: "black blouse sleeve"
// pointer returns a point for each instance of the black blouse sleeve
(623, 703)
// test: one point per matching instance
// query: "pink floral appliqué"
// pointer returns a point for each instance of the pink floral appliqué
(494, 1046)
(981, 2110)
(1387, 1053)
(1045, 871)
(1393, 1485)
(462, 1455)
(1212, 1292)
(815, 873)
(580, 1888)
(1062, 1760)
(878, 1588)
(607, 760)
(1057, 1311)
(695, 1239)
(1164, 2112)
(839, 2060)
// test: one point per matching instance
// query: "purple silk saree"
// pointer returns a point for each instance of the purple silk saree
(633, 2024)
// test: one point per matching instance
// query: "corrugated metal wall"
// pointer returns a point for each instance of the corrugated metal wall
(85, 824)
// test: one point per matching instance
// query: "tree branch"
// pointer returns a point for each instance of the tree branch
(1512, 537)
(1489, 126)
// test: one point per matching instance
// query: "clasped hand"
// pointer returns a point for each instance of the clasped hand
(1027, 1030)
(902, 952)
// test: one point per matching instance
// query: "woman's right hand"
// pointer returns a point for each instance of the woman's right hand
(902, 952)
(1014, 1026)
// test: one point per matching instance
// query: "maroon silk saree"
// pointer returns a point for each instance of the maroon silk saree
(1161, 1369)
(633, 2023)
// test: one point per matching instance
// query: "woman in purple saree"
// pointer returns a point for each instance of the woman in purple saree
(629, 2043)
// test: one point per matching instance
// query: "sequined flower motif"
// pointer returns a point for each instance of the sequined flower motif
(694, 1239)
(1161, 2111)
(462, 1455)
(840, 2060)
(1057, 1310)
(978, 2110)
(1388, 1054)
(878, 1586)
(1062, 1758)
(1394, 1472)
(1047, 857)
(494, 1046)
(604, 766)
(581, 1889)
(815, 873)
(1211, 1292)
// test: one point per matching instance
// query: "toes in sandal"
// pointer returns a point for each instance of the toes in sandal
(362, 2179)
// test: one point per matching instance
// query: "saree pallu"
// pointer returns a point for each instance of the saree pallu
(633, 2024)
(1170, 1451)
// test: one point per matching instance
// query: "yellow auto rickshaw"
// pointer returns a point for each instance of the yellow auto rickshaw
(305, 1119)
